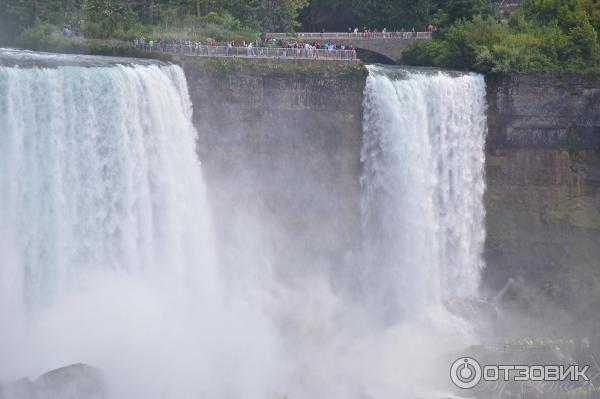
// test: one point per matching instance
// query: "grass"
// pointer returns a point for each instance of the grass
(226, 67)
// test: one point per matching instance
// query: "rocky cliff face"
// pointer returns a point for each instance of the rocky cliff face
(282, 139)
(77, 381)
(543, 192)
(288, 142)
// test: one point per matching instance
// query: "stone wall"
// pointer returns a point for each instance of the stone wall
(283, 139)
(543, 188)
(389, 48)
(287, 142)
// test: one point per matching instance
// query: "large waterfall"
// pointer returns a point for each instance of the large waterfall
(106, 239)
(423, 186)
(109, 251)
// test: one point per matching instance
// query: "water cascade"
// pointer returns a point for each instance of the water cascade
(423, 186)
(108, 254)
(106, 237)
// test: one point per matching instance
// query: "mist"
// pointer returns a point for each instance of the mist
(124, 250)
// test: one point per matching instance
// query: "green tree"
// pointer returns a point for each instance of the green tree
(276, 15)
(331, 15)
(584, 36)
(454, 10)
(24, 13)
(102, 18)
(394, 14)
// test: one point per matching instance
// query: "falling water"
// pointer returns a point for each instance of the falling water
(108, 252)
(423, 186)
(106, 239)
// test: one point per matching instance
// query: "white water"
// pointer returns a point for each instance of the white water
(108, 251)
(423, 187)
(106, 239)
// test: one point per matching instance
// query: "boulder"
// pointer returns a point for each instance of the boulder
(77, 381)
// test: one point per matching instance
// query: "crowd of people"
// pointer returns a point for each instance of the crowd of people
(268, 47)
(305, 46)
(385, 33)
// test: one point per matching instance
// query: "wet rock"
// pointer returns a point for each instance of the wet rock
(77, 381)
(20, 389)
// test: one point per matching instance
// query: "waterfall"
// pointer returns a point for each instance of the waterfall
(423, 185)
(106, 239)
(93, 176)
(108, 254)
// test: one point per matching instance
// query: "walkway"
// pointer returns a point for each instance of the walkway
(256, 52)
(353, 36)
(389, 44)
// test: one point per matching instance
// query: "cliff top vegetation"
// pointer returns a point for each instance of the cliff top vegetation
(224, 68)
(540, 36)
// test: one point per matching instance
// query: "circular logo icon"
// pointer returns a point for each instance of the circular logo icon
(465, 372)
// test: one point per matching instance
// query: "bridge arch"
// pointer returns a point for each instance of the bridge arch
(390, 46)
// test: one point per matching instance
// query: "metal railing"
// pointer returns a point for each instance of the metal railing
(201, 50)
(351, 35)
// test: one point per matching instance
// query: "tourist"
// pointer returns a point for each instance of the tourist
(302, 48)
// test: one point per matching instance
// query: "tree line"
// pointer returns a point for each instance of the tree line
(540, 36)
(118, 18)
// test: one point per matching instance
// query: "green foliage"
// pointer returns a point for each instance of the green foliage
(455, 10)
(226, 68)
(213, 25)
(584, 36)
(49, 38)
(275, 15)
(545, 36)
(394, 14)
(331, 15)
(17, 15)
(176, 19)
(107, 18)
(40, 35)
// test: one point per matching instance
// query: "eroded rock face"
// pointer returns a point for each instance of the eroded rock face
(283, 147)
(290, 145)
(77, 381)
(543, 196)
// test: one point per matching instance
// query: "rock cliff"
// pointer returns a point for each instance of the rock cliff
(282, 139)
(287, 142)
(543, 192)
